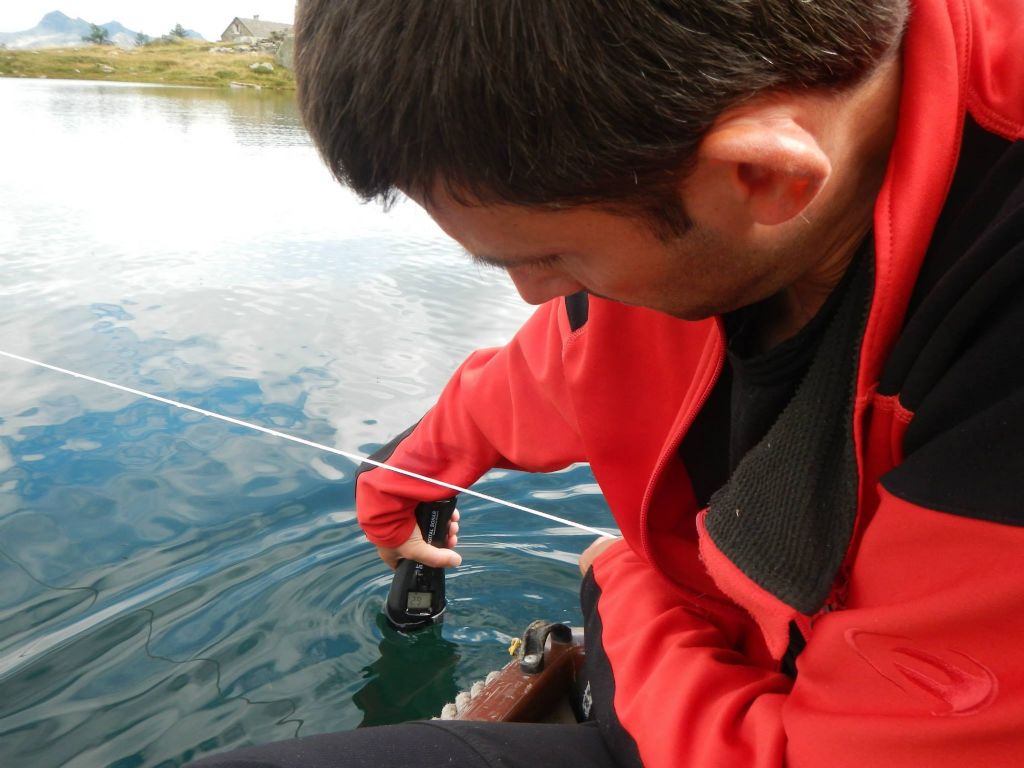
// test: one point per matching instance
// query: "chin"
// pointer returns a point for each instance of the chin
(692, 313)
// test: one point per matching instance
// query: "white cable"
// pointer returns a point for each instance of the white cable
(351, 456)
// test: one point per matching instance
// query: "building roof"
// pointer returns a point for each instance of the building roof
(260, 28)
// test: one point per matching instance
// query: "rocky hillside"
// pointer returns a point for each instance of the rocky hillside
(57, 30)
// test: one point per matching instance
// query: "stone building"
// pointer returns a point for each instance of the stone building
(253, 31)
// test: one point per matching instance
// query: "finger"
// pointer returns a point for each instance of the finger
(590, 553)
(453, 531)
(389, 555)
(424, 553)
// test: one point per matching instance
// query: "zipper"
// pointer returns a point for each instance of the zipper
(680, 429)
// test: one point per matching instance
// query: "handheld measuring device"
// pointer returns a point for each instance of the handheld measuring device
(416, 598)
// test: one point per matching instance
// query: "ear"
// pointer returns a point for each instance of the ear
(763, 166)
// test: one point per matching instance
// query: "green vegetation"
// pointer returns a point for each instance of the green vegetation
(181, 62)
(97, 35)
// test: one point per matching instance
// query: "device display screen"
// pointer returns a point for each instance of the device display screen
(418, 601)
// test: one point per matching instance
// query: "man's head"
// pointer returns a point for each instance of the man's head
(559, 103)
(689, 157)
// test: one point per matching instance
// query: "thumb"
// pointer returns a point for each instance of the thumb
(435, 557)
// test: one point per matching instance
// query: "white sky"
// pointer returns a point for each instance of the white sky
(153, 17)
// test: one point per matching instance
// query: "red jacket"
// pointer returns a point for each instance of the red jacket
(894, 578)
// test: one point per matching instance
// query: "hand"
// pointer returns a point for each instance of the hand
(415, 548)
(591, 552)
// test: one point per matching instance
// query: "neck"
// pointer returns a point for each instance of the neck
(862, 128)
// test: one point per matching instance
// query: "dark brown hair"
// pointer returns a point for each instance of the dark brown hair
(558, 102)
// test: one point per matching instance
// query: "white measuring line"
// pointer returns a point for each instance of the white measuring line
(346, 454)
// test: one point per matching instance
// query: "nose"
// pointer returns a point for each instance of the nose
(536, 287)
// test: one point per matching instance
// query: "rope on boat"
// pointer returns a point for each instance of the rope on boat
(301, 441)
(454, 710)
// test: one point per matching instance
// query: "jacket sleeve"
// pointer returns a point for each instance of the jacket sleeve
(921, 667)
(505, 407)
(682, 675)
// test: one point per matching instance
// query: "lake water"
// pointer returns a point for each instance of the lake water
(173, 585)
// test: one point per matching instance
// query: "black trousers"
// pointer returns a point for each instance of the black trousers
(432, 744)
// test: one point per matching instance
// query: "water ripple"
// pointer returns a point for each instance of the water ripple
(175, 586)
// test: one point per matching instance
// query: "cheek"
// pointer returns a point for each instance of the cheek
(638, 276)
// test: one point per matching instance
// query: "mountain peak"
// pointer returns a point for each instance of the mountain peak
(54, 18)
(58, 30)
(55, 21)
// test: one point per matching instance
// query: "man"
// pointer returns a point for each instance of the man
(778, 249)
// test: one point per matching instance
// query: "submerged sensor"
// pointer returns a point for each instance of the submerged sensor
(416, 598)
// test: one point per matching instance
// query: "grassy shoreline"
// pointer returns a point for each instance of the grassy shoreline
(189, 62)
